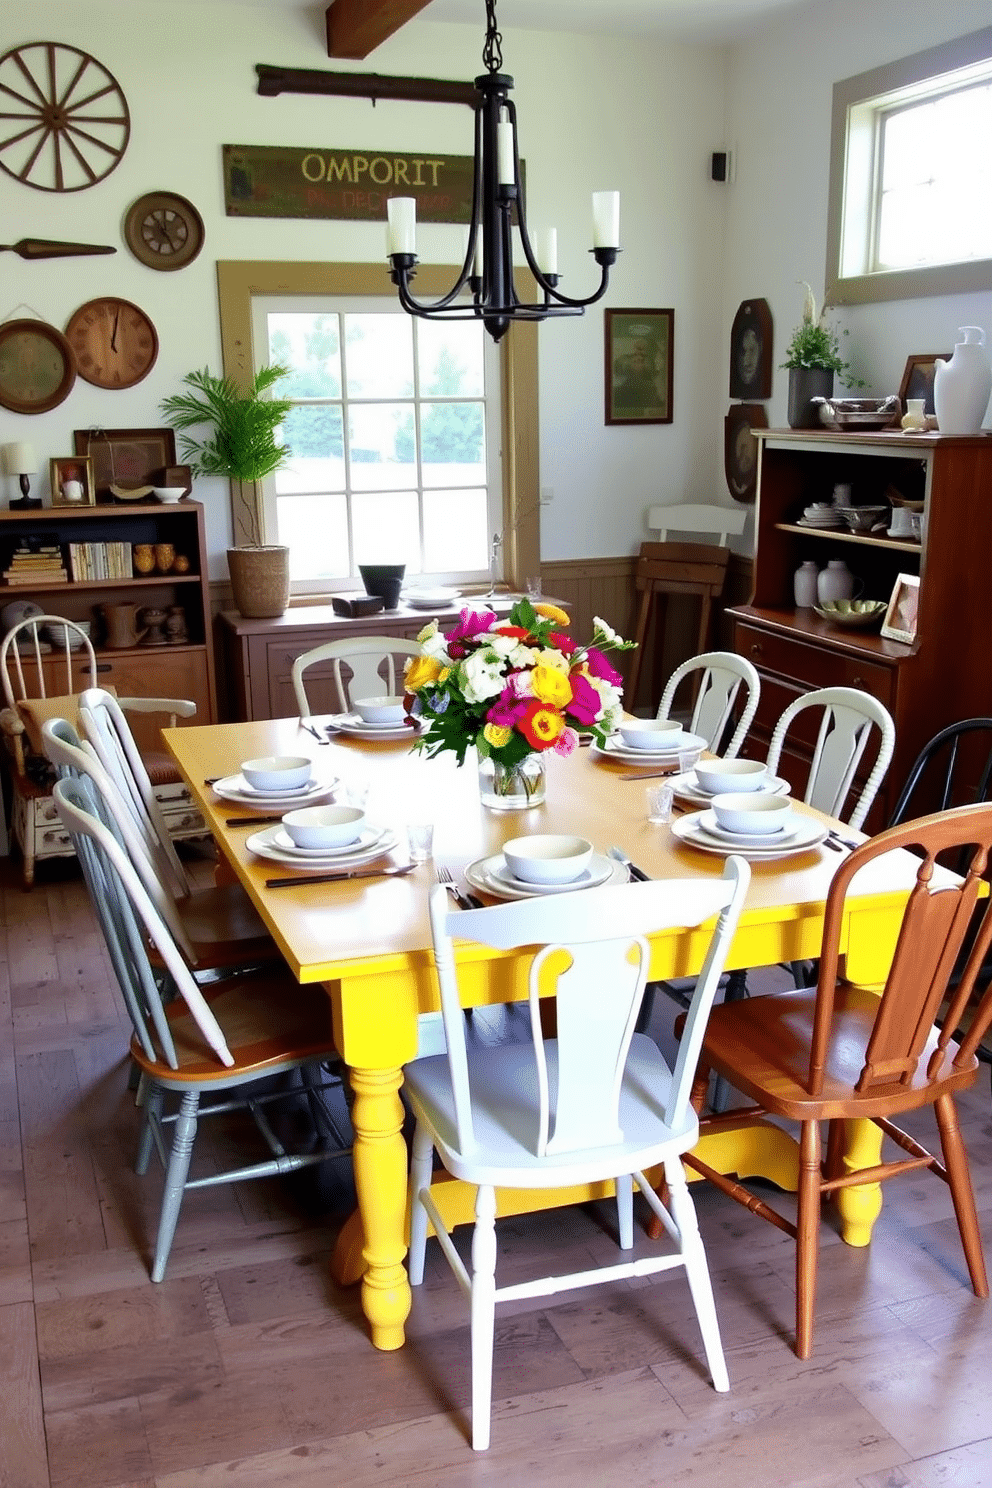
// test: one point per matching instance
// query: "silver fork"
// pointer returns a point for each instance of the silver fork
(443, 876)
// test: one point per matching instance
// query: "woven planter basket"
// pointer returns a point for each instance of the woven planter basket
(260, 580)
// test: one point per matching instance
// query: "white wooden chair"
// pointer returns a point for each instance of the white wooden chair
(849, 718)
(216, 927)
(723, 673)
(596, 1102)
(59, 647)
(218, 1039)
(363, 657)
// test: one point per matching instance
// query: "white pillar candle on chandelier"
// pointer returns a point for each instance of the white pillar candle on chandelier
(547, 250)
(504, 150)
(401, 231)
(606, 219)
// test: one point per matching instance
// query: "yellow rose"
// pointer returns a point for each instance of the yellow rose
(420, 671)
(552, 612)
(551, 686)
(496, 735)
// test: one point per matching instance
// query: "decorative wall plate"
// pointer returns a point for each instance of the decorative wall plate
(163, 230)
(65, 123)
(114, 341)
(37, 366)
(740, 449)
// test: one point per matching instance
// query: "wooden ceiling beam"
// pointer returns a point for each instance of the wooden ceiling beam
(357, 27)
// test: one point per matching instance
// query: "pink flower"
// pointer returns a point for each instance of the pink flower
(566, 742)
(519, 685)
(586, 701)
(600, 667)
(562, 643)
(507, 710)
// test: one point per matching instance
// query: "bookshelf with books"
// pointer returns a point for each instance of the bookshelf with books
(74, 561)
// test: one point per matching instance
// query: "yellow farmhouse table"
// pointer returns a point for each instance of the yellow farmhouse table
(368, 943)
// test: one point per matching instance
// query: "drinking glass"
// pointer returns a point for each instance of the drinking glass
(659, 803)
(420, 839)
(533, 586)
(356, 791)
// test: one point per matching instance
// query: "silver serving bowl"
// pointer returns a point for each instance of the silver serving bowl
(865, 414)
(863, 518)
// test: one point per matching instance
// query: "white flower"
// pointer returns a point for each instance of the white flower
(600, 628)
(433, 642)
(480, 676)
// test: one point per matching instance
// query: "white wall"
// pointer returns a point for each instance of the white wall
(595, 112)
(779, 102)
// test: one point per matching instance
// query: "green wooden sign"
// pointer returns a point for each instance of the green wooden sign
(284, 181)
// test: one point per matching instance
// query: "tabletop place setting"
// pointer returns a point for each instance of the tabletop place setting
(379, 719)
(748, 812)
(544, 863)
(659, 744)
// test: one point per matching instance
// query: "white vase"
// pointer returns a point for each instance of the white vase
(836, 581)
(804, 585)
(961, 387)
(914, 420)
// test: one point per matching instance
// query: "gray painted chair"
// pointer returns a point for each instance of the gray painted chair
(363, 656)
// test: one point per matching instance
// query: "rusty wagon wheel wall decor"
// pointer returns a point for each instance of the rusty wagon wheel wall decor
(64, 120)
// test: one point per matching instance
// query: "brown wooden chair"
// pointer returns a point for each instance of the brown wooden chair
(672, 568)
(838, 1052)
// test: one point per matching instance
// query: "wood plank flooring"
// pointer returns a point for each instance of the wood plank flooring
(248, 1366)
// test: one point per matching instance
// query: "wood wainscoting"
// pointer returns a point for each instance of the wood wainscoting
(605, 586)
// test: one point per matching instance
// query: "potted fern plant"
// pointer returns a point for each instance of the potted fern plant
(813, 358)
(242, 444)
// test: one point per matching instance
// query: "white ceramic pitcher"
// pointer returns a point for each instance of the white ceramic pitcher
(961, 387)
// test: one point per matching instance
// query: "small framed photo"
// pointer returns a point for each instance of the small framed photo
(72, 481)
(639, 347)
(900, 617)
(917, 378)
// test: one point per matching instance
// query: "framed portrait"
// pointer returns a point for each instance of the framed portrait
(917, 378)
(900, 617)
(751, 351)
(639, 350)
(126, 462)
(72, 480)
(740, 449)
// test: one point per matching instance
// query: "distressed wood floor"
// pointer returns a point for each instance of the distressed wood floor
(248, 1366)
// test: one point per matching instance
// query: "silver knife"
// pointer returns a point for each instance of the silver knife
(633, 871)
(322, 878)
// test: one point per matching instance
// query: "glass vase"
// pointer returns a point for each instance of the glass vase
(512, 787)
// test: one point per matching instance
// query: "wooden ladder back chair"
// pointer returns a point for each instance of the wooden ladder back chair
(595, 1103)
(206, 1040)
(363, 656)
(838, 1052)
(718, 677)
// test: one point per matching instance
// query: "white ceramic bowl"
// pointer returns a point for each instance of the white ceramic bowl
(379, 710)
(170, 494)
(651, 733)
(547, 858)
(722, 776)
(277, 772)
(324, 826)
(752, 813)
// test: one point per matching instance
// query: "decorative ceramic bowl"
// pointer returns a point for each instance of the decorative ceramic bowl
(324, 826)
(863, 518)
(858, 413)
(856, 614)
(720, 776)
(380, 710)
(170, 494)
(277, 772)
(547, 858)
(651, 733)
(754, 814)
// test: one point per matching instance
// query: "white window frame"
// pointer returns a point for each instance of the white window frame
(859, 103)
(264, 305)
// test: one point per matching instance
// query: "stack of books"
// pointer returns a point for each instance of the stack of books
(100, 560)
(36, 565)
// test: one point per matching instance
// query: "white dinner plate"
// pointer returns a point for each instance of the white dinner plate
(492, 876)
(350, 723)
(236, 788)
(264, 845)
(688, 788)
(365, 839)
(790, 830)
(430, 599)
(686, 829)
(616, 749)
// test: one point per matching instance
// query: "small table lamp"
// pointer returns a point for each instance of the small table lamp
(20, 459)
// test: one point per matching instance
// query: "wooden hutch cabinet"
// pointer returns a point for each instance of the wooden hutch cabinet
(945, 674)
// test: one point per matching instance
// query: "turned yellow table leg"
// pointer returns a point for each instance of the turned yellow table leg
(380, 1160)
(860, 1207)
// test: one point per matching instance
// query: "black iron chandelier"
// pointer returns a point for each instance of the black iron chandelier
(496, 190)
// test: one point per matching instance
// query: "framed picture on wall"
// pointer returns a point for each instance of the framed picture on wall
(72, 481)
(127, 463)
(900, 617)
(639, 349)
(740, 448)
(917, 378)
(751, 351)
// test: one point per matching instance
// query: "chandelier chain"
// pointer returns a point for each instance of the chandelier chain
(492, 51)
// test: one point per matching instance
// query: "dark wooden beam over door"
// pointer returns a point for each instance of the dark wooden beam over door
(357, 27)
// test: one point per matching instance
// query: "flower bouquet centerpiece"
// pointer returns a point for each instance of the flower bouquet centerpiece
(513, 689)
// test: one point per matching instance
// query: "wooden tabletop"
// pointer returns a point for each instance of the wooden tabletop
(330, 930)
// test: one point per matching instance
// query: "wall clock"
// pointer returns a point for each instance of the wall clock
(65, 124)
(37, 366)
(163, 230)
(114, 342)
